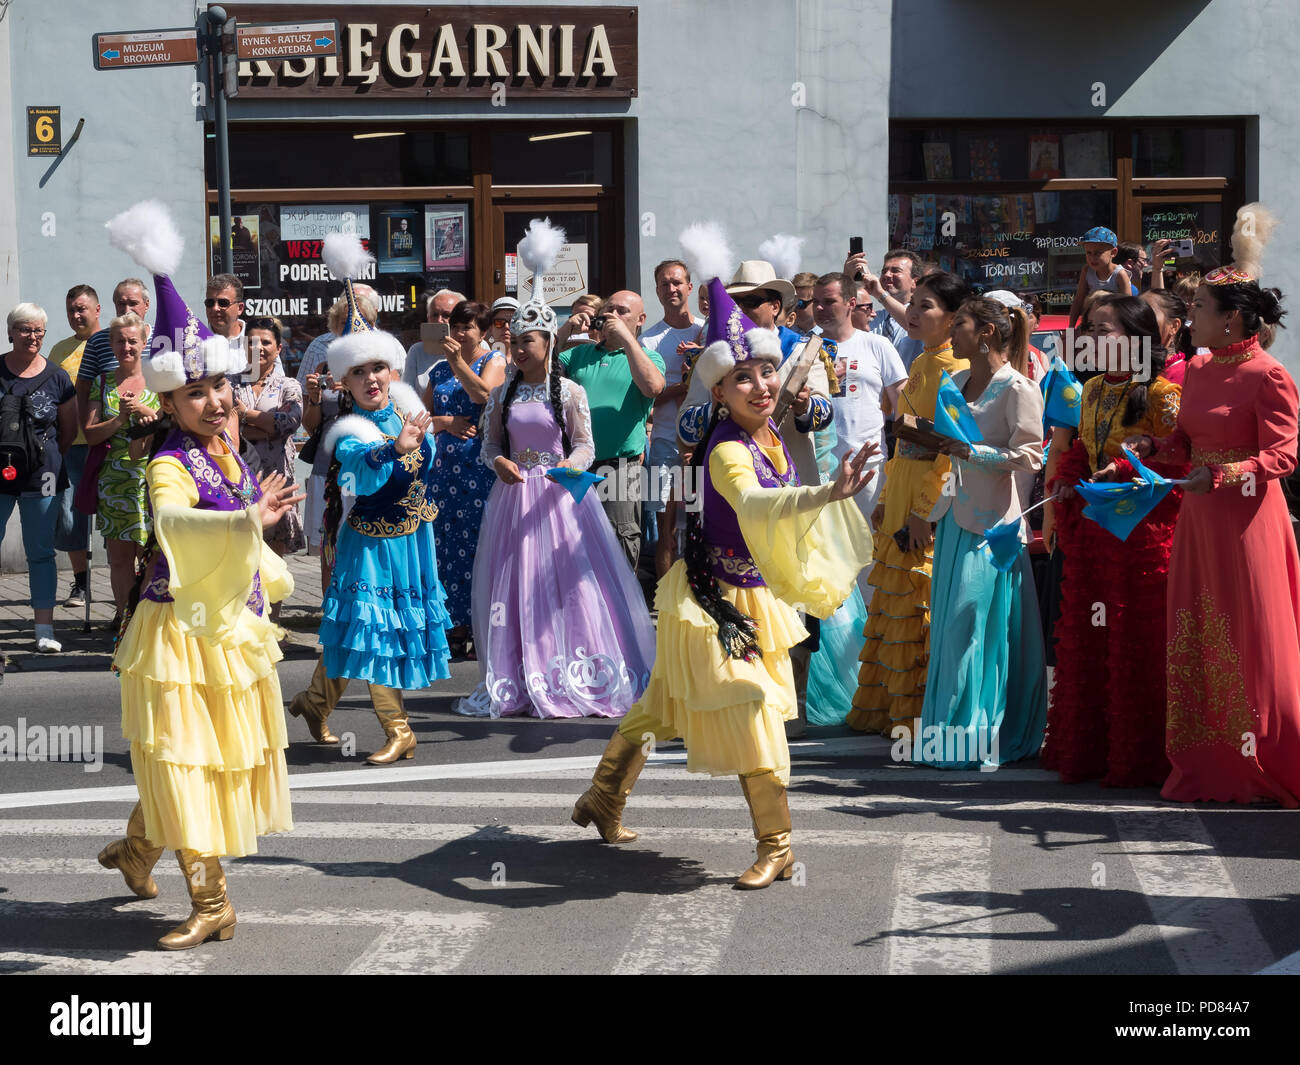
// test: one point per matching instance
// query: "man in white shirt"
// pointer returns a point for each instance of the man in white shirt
(870, 374)
(418, 361)
(678, 326)
(225, 305)
(893, 291)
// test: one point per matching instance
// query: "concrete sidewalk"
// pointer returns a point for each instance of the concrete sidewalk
(90, 650)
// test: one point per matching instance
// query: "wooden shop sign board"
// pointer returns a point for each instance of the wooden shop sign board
(386, 51)
(146, 48)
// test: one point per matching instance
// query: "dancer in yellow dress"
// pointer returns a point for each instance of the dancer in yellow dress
(896, 655)
(201, 701)
(722, 677)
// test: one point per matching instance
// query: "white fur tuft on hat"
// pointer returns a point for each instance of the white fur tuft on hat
(706, 251)
(165, 371)
(147, 233)
(360, 349)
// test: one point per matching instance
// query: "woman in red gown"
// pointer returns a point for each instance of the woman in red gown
(1233, 732)
(1107, 713)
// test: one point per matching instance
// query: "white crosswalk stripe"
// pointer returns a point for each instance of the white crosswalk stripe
(938, 909)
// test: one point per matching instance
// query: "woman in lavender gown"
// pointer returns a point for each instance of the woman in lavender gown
(560, 623)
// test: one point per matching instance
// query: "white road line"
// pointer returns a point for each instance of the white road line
(559, 831)
(1288, 966)
(683, 934)
(940, 921)
(78, 961)
(1206, 925)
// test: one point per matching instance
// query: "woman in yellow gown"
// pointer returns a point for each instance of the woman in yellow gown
(201, 702)
(722, 678)
(896, 655)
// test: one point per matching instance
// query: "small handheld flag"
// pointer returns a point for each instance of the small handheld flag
(576, 481)
(952, 417)
(1120, 508)
(1003, 540)
(1062, 396)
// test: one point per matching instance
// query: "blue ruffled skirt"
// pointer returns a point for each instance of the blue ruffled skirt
(384, 614)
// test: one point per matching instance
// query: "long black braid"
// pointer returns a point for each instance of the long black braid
(736, 630)
(159, 430)
(333, 492)
(512, 387)
(554, 394)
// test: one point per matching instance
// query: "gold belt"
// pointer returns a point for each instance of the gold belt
(1234, 454)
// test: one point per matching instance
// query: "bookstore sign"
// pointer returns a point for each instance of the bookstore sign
(423, 51)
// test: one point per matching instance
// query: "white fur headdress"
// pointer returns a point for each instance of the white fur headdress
(538, 249)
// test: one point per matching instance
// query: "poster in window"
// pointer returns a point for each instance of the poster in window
(938, 161)
(316, 221)
(984, 163)
(246, 260)
(1047, 206)
(1044, 157)
(1086, 154)
(446, 231)
(565, 281)
(401, 237)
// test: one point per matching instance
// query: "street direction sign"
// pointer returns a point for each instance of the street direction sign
(296, 40)
(146, 48)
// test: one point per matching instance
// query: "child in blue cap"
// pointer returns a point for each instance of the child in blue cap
(1099, 246)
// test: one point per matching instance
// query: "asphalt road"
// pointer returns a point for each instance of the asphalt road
(464, 860)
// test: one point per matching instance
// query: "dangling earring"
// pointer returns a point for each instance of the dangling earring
(723, 412)
(1227, 329)
(984, 347)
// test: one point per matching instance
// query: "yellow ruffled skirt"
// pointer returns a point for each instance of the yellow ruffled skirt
(730, 713)
(207, 732)
(896, 655)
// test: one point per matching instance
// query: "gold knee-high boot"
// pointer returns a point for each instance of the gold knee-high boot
(134, 856)
(211, 913)
(771, 816)
(612, 783)
(397, 727)
(314, 704)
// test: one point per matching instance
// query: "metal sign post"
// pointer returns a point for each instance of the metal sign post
(218, 26)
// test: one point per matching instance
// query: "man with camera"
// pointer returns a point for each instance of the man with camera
(621, 380)
(892, 289)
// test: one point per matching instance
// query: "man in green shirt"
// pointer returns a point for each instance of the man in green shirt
(621, 381)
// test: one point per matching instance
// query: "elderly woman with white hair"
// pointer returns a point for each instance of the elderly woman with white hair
(41, 396)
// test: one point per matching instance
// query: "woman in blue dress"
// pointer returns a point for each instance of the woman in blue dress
(986, 691)
(458, 389)
(383, 616)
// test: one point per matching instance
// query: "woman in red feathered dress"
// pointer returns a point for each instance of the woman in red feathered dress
(1107, 713)
(1234, 580)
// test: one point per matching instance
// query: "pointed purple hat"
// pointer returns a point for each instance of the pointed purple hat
(727, 322)
(182, 349)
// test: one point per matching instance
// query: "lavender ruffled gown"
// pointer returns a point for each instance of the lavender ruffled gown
(560, 623)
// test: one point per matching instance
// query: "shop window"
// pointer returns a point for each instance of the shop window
(1201, 222)
(1026, 242)
(538, 156)
(1186, 151)
(332, 157)
(991, 154)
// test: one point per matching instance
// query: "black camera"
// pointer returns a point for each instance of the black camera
(598, 323)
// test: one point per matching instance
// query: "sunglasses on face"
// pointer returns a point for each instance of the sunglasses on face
(217, 301)
(750, 302)
(799, 305)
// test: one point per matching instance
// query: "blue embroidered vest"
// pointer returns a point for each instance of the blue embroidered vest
(405, 500)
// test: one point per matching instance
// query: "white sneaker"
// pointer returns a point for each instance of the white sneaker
(48, 645)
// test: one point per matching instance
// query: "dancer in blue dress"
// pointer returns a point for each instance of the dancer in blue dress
(383, 618)
(459, 387)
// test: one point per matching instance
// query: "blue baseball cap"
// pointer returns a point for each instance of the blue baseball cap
(1100, 235)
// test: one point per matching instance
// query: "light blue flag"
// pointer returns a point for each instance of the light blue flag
(1120, 508)
(952, 418)
(1004, 543)
(576, 481)
(1062, 396)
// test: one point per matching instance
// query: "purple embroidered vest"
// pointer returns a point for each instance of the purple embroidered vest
(731, 560)
(216, 492)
